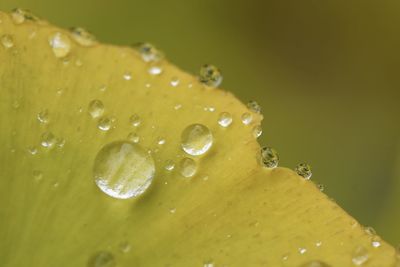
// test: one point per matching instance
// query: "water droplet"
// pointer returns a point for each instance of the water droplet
(48, 140)
(155, 70)
(178, 106)
(321, 187)
(257, 131)
(96, 108)
(187, 167)
(103, 88)
(102, 259)
(37, 175)
(318, 244)
(269, 157)
(174, 81)
(247, 118)
(133, 137)
(302, 250)
(19, 15)
(60, 44)
(315, 264)
(123, 169)
(254, 106)
(169, 165)
(43, 116)
(172, 210)
(149, 52)
(225, 119)
(161, 141)
(7, 41)
(369, 230)
(210, 75)
(376, 242)
(104, 124)
(32, 150)
(83, 37)
(208, 264)
(360, 256)
(124, 247)
(127, 76)
(135, 120)
(196, 139)
(285, 257)
(304, 170)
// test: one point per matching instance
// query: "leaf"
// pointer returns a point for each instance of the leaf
(232, 212)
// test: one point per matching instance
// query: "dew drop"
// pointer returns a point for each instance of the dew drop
(187, 167)
(360, 256)
(321, 187)
(96, 108)
(315, 264)
(302, 250)
(60, 44)
(196, 139)
(83, 37)
(304, 170)
(123, 169)
(104, 124)
(43, 116)
(254, 106)
(161, 141)
(178, 106)
(208, 264)
(149, 52)
(169, 165)
(32, 150)
(369, 231)
(37, 175)
(48, 140)
(135, 120)
(225, 119)
(257, 131)
(155, 70)
(124, 247)
(102, 259)
(7, 41)
(174, 81)
(127, 76)
(210, 75)
(19, 15)
(376, 242)
(269, 157)
(133, 137)
(247, 118)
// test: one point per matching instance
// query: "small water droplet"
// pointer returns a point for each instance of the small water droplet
(315, 264)
(169, 165)
(247, 118)
(19, 15)
(225, 119)
(48, 140)
(318, 244)
(376, 242)
(32, 150)
(208, 264)
(257, 131)
(161, 141)
(196, 139)
(187, 167)
(302, 250)
(104, 124)
(304, 170)
(155, 70)
(174, 81)
(133, 137)
(285, 257)
(83, 37)
(102, 259)
(37, 175)
(369, 231)
(149, 52)
(321, 187)
(96, 108)
(43, 116)
(103, 88)
(135, 120)
(360, 256)
(123, 169)
(269, 157)
(124, 247)
(127, 76)
(178, 106)
(172, 210)
(60, 44)
(210, 75)
(7, 41)
(254, 106)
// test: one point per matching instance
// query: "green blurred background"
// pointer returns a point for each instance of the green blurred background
(325, 72)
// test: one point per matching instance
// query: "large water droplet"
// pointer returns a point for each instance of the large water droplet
(19, 15)
(60, 44)
(187, 167)
(304, 170)
(225, 119)
(269, 157)
(123, 169)
(96, 108)
(315, 264)
(254, 106)
(83, 37)
(210, 75)
(149, 52)
(196, 139)
(7, 41)
(102, 259)
(360, 256)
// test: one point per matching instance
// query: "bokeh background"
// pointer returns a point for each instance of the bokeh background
(327, 74)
